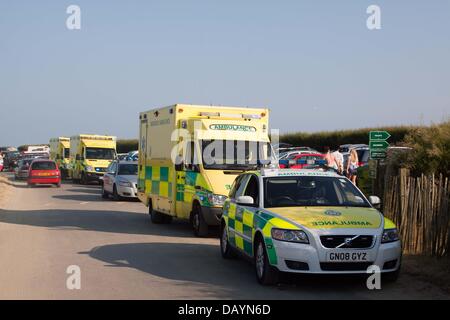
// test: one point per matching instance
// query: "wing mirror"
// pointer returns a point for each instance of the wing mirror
(245, 200)
(375, 201)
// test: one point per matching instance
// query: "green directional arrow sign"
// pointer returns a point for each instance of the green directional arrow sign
(376, 155)
(379, 135)
(378, 145)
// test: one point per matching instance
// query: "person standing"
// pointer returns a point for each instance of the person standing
(352, 166)
(329, 157)
(339, 158)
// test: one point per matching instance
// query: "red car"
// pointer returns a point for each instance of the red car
(301, 160)
(43, 171)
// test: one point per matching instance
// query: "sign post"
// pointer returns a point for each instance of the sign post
(378, 151)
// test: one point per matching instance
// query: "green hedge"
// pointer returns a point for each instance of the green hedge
(334, 139)
(124, 146)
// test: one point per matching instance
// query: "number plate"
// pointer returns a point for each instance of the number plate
(348, 256)
(44, 174)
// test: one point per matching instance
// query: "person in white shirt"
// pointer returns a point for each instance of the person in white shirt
(339, 161)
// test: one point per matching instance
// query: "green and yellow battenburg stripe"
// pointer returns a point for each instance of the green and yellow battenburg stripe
(156, 180)
(246, 221)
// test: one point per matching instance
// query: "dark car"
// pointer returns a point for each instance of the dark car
(21, 171)
(10, 160)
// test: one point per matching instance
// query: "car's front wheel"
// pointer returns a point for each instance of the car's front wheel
(265, 273)
(225, 248)
(116, 195)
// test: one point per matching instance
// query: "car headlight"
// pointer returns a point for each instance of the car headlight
(290, 235)
(89, 168)
(216, 199)
(124, 183)
(390, 235)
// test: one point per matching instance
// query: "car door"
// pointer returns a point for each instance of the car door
(240, 218)
(108, 178)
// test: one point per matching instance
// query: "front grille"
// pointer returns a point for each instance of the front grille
(345, 266)
(361, 242)
(100, 169)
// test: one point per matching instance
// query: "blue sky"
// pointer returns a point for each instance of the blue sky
(314, 63)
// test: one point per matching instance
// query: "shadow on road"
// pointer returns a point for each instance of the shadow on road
(86, 190)
(90, 220)
(80, 197)
(202, 263)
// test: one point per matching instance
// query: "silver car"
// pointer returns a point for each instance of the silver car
(120, 180)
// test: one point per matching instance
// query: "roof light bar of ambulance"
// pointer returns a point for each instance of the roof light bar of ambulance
(251, 116)
(210, 114)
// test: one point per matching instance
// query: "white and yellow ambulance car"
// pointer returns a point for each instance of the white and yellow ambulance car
(90, 156)
(60, 153)
(307, 221)
(189, 156)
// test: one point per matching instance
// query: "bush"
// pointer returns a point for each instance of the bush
(431, 150)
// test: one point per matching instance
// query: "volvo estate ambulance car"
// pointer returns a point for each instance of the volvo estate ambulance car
(90, 156)
(60, 153)
(307, 221)
(181, 172)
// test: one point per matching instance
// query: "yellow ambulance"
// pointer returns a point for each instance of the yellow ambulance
(60, 153)
(189, 155)
(90, 156)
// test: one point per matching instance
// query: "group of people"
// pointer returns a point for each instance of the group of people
(335, 160)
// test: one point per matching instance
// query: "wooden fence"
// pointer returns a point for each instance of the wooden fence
(420, 208)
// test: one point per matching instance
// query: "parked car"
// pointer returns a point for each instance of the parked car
(346, 147)
(132, 156)
(22, 169)
(10, 159)
(292, 154)
(298, 161)
(122, 156)
(43, 171)
(120, 180)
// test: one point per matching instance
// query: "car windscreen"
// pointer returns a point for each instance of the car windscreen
(26, 163)
(306, 191)
(100, 154)
(43, 165)
(128, 169)
(363, 155)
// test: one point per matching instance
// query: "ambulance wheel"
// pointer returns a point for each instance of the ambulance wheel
(265, 273)
(155, 216)
(198, 222)
(225, 249)
(83, 179)
(167, 219)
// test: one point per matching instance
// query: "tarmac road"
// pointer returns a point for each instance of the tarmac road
(122, 255)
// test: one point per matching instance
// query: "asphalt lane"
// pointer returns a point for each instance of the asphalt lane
(122, 255)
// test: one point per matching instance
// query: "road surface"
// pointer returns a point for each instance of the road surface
(122, 255)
